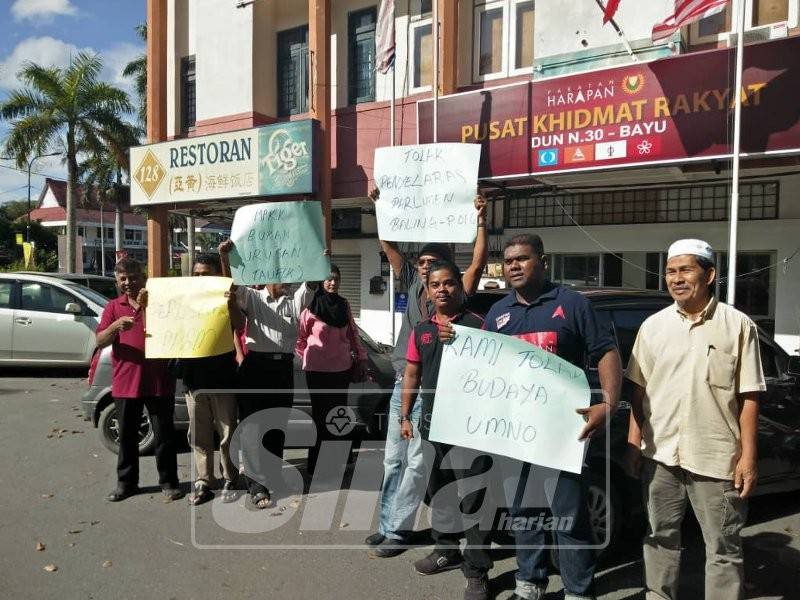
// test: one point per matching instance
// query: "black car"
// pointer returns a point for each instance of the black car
(368, 401)
(618, 506)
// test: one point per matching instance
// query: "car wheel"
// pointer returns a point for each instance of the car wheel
(108, 426)
(605, 517)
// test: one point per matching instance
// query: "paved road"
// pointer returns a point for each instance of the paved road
(55, 474)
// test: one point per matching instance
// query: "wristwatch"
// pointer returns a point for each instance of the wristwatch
(402, 418)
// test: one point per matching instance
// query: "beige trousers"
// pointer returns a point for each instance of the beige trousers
(208, 412)
(721, 514)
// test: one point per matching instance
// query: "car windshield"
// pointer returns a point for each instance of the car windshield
(89, 293)
(368, 341)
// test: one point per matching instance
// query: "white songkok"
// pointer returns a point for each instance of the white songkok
(696, 247)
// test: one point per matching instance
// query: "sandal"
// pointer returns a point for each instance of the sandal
(229, 491)
(262, 500)
(202, 494)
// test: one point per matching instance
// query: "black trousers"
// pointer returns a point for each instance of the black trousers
(449, 506)
(129, 418)
(336, 385)
(260, 371)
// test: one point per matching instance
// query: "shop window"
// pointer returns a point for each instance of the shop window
(715, 24)
(654, 263)
(293, 71)
(523, 35)
(612, 270)
(422, 55)
(677, 204)
(581, 269)
(188, 93)
(346, 220)
(490, 40)
(361, 59)
(766, 12)
(754, 282)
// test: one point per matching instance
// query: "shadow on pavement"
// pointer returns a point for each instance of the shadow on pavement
(46, 373)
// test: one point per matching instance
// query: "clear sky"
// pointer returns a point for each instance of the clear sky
(47, 32)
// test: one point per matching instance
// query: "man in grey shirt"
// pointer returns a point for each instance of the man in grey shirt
(404, 477)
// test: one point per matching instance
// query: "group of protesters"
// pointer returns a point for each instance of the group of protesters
(695, 373)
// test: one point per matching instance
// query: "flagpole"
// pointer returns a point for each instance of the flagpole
(392, 142)
(626, 44)
(737, 136)
(435, 71)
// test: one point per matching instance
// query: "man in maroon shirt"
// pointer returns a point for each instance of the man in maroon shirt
(137, 383)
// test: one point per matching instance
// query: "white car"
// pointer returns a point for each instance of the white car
(46, 321)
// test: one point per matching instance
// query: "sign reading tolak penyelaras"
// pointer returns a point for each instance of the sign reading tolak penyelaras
(427, 192)
(499, 394)
(265, 161)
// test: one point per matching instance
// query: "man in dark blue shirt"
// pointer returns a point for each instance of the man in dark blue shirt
(561, 321)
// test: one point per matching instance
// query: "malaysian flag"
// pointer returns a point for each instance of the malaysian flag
(686, 12)
(384, 43)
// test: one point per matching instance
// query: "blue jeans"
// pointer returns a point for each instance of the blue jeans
(567, 500)
(404, 473)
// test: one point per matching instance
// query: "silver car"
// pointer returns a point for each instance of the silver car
(46, 321)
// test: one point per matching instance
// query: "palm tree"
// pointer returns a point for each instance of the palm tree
(137, 69)
(64, 107)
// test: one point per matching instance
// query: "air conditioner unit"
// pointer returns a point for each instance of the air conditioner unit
(761, 34)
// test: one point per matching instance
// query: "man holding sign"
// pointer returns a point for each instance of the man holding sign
(563, 322)
(422, 371)
(404, 471)
(272, 321)
(136, 383)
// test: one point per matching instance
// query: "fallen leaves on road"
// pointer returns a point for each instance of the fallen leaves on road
(343, 525)
(46, 496)
(107, 564)
(40, 547)
(294, 503)
(74, 531)
(176, 542)
(50, 568)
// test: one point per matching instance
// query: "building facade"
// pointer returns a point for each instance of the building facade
(95, 223)
(505, 65)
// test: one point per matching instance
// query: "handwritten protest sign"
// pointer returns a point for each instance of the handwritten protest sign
(502, 395)
(187, 317)
(278, 242)
(427, 192)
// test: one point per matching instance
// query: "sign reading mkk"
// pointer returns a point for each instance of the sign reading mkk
(502, 395)
(427, 192)
(265, 161)
(278, 242)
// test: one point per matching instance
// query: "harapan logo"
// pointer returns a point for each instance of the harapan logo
(632, 84)
(149, 174)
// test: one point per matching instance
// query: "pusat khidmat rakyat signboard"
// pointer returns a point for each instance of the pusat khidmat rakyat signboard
(264, 161)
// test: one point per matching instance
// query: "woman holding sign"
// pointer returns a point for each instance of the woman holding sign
(331, 355)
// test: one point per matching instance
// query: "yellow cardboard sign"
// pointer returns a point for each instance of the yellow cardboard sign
(187, 317)
(19, 239)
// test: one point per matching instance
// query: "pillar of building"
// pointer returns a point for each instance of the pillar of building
(448, 49)
(319, 36)
(158, 250)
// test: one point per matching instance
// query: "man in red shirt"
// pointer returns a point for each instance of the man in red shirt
(137, 383)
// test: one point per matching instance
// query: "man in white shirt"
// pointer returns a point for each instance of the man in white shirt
(272, 318)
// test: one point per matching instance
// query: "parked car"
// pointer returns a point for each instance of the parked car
(46, 321)
(107, 286)
(618, 507)
(369, 400)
